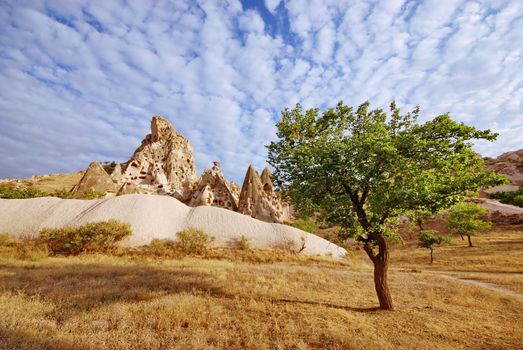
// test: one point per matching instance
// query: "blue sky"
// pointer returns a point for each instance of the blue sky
(80, 80)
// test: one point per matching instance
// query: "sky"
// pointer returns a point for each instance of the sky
(80, 80)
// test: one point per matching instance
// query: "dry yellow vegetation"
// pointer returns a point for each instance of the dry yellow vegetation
(49, 183)
(276, 301)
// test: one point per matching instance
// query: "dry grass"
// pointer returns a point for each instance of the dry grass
(136, 301)
(49, 183)
(497, 258)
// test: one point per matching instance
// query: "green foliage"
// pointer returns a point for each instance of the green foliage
(308, 224)
(10, 192)
(360, 168)
(96, 237)
(192, 241)
(5, 239)
(92, 194)
(428, 239)
(244, 243)
(63, 193)
(464, 219)
(510, 197)
(163, 248)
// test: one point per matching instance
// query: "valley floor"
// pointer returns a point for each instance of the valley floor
(107, 302)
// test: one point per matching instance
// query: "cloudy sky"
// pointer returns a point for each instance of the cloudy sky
(80, 80)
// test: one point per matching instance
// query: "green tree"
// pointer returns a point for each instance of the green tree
(464, 218)
(361, 170)
(428, 239)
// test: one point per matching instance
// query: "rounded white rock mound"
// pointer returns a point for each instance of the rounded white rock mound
(160, 217)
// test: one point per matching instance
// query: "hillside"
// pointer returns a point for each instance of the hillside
(46, 183)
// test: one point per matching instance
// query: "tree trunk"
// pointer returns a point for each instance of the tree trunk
(420, 223)
(431, 257)
(470, 241)
(462, 238)
(381, 265)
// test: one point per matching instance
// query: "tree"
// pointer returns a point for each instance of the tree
(464, 218)
(361, 170)
(428, 239)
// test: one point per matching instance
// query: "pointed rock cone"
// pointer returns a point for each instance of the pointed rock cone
(251, 191)
(117, 173)
(266, 179)
(96, 179)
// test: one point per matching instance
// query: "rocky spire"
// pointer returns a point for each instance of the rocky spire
(215, 190)
(258, 200)
(250, 192)
(266, 179)
(96, 179)
(163, 163)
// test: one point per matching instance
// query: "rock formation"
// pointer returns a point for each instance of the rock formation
(95, 178)
(258, 199)
(214, 190)
(163, 163)
(511, 165)
(116, 174)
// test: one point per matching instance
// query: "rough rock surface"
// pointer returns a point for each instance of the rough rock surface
(163, 163)
(156, 217)
(258, 199)
(116, 174)
(95, 178)
(511, 165)
(215, 190)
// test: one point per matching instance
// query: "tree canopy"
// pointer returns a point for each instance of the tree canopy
(361, 169)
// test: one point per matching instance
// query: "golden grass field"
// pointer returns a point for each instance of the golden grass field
(273, 301)
(49, 183)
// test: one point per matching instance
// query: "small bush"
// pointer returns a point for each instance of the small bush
(193, 241)
(64, 193)
(510, 197)
(31, 250)
(244, 243)
(162, 248)
(92, 194)
(305, 224)
(4, 239)
(96, 237)
(9, 192)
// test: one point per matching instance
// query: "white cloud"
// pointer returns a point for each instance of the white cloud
(80, 82)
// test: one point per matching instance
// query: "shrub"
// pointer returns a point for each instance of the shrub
(92, 194)
(31, 250)
(63, 193)
(308, 224)
(510, 197)
(193, 241)
(9, 192)
(96, 237)
(162, 248)
(428, 239)
(244, 243)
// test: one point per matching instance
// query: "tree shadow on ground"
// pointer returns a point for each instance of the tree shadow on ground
(21, 340)
(78, 288)
(84, 287)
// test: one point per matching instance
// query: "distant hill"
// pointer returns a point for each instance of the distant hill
(509, 164)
